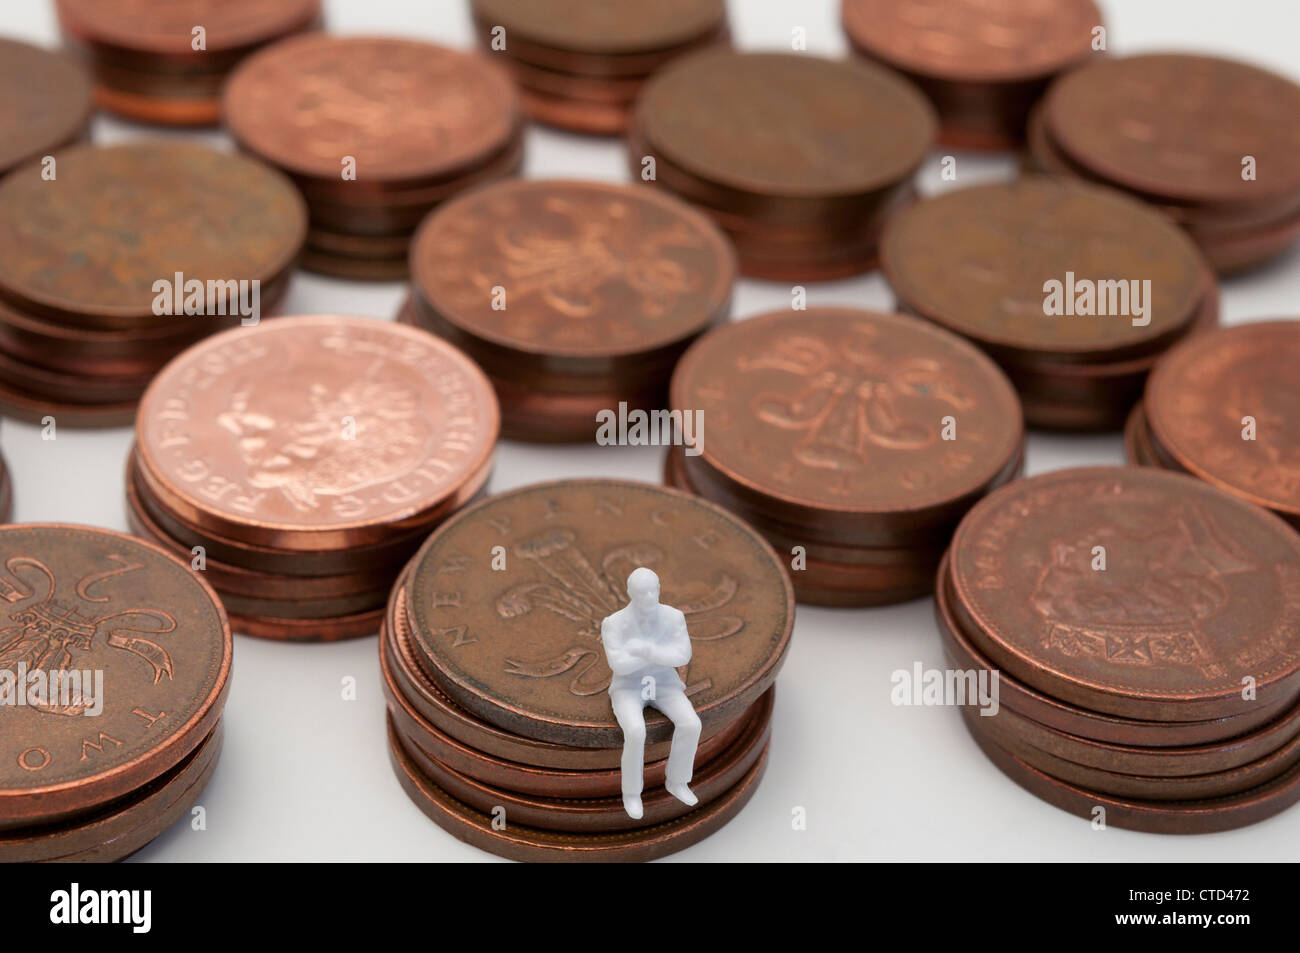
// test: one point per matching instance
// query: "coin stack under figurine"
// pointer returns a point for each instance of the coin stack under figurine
(574, 297)
(48, 103)
(376, 132)
(500, 723)
(165, 63)
(122, 256)
(983, 64)
(799, 159)
(1140, 123)
(1074, 289)
(1145, 628)
(853, 441)
(1222, 407)
(116, 663)
(297, 465)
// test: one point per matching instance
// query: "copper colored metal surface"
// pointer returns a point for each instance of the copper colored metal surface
(334, 629)
(520, 647)
(47, 101)
(88, 599)
(1200, 591)
(6, 493)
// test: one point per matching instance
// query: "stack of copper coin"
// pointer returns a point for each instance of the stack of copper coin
(1222, 407)
(983, 64)
(580, 65)
(122, 257)
(574, 297)
(165, 62)
(799, 159)
(48, 103)
(375, 132)
(853, 441)
(115, 666)
(1145, 632)
(299, 464)
(500, 723)
(1170, 128)
(1074, 289)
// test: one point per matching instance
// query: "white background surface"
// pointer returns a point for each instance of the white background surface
(305, 775)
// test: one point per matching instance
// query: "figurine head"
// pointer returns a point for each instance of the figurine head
(643, 588)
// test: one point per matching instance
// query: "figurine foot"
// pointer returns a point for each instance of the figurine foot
(683, 794)
(632, 804)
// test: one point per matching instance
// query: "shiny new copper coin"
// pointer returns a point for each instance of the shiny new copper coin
(1222, 407)
(518, 842)
(88, 600)
(1196, 608)
(316, 433)
(521, 648)
(87, 248)
(833, 419)
(47, 101)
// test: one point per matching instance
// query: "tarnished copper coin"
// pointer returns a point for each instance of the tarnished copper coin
(88, 247)
(1196, 611)
(167, 28)
(1223, 408)
(869, 429)
(47, 101)
(150, 644)
(520, 647)
(316, 433)
(592, 26)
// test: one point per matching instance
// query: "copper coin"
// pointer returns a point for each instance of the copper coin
(520, 647)
(712, 779)
(348, 268)
(595, 27)
(1199, 400)
(405, 111)
(1198, 601)
(88, 247)
(336, 629)
(121, 821)
(1177, 125)
(6, 493)
(25, 407)
(1137, 439)
(833, 419)
(315, 433)
(147, 27)
(976, 260)
(47, 101)
(530, 844)
(90, 600)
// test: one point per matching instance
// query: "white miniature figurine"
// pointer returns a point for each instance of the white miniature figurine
(645, 643)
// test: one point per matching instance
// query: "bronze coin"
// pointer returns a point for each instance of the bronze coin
(833, 419)
(88, 247)
(281, 629)
(596, 27)
(316, 433)
(1177, 125)
(520, 647)
(405, 111)
(1198, 603)
(1199, 400)
(25, 407)
(517, 842)
(94, 601)
(976, 260)
(166, 28)
(47, 100)
(1137, 439)
(347, 268)
(569, 812)
(6, 493)
(104, 834)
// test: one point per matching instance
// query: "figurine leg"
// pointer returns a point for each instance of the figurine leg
(686, 738)
(630, 714)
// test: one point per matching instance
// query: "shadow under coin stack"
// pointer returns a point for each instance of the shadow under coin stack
(1176, 130)
(1146, 632)
(48, 103)
(497, 680)
(83, 327)
(124, 661)
(581, 65)
(799, 159)
(299, 464)
(151, 65)
(1223, 408)
(978, 261)
(406, 125)
(983, 64)
(574, 297)
(853, 441)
